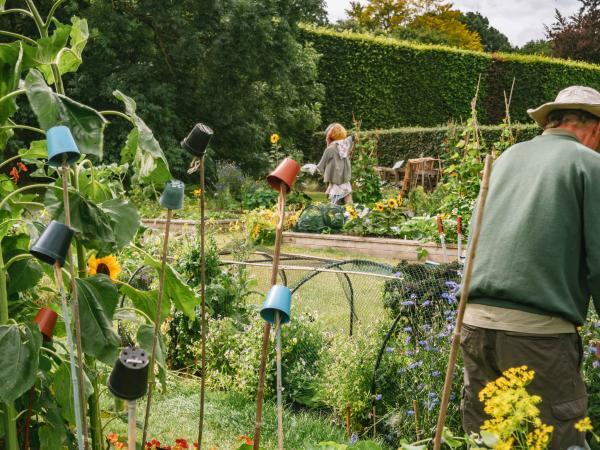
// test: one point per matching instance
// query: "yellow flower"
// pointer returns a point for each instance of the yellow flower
(274, 138)
(399, 198)
(379, 207)
(107, 265)
(392, 203)
(197, 192)
(584, 425)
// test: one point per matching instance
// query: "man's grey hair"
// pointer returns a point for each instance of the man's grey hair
(560, 117)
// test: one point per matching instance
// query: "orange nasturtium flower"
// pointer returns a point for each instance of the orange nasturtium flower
(108, 265)
(14, 174)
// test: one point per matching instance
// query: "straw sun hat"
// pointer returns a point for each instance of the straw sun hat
(573, 97)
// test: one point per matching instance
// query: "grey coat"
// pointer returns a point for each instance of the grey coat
(335, 169)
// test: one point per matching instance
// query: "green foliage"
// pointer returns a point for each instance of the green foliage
(539, 47)
(321, 218)
(258, 195)
(365, 180)
(19, 352)
(404, 143)
(492, 39)
(388, 83)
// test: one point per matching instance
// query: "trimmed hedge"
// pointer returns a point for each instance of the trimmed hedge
(404, 143)
(388, 83)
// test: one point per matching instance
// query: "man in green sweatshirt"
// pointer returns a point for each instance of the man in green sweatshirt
(537, 264)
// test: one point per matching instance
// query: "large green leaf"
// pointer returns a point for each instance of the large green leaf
(86, 124)
(93, 226)
(176, 289)
(125, 219)
(63, 389)
(68, 59)
(98, 298)
(19, 352)
(11, 57)
(23, 274)
(144, 339)
(49, 47)
(149, 161)
(145, 301)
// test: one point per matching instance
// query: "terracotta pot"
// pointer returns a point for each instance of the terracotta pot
(198, 139)
(285, 173)
(279, 300)
(172, 196)
(46, 320)
(53, 245)
(129, 377)
(60, 145)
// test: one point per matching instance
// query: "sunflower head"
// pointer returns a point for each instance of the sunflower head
(274, 138)
(392, 203)
(379, 207)
(108, 265)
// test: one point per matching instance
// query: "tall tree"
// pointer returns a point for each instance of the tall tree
(577, 36)
(491, 39)
(387, 15)
(536, 47)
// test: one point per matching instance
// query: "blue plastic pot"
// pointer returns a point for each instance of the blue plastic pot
(129, 377)
(198, 139)
(61, 145)
(279, 300)
(172, 196)
(53, 245)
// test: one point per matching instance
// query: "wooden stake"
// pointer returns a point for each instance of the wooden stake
(161, 292)
(417, 426)
(267, 327)
(131, 425)
(348, 427)
(75, 307)
(77, 399)
(204, 324)
(464, 297)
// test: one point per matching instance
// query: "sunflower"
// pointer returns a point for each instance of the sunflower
(107, 265)
(274, 138)
(392, 203)
(197, 193)
(379, 207)
(399, 198)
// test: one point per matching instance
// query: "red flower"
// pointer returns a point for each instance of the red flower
(246, 440)
(152, 445)
(181, 443)
(112, 438)
(22, 167)
(14, 174)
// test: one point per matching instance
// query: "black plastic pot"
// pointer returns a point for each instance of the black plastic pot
(53, 244)
(198, 139)
(129, 377)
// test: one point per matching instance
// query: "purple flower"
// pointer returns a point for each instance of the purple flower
(420, 386)
(426, 303)
(432, 395)
(407, 340)
(593, 349)
(410, 412)
(389, 349)
(378, 397)
(452, 285)
(415, 364)
(398, 274)
(408, 329)
(596, 364)
(413, 296)
(354, 438)
(453, 396)
(435, 373)
(597, 324)
(408, 303)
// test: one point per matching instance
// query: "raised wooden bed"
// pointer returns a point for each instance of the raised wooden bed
(393, 250)
(183, 226)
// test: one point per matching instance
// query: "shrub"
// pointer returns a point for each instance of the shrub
(397, 144)
(390, 83)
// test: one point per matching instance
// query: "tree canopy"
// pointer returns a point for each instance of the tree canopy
(491, 39)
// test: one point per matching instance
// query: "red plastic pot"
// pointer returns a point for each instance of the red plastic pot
(46, 320)
(284, 174)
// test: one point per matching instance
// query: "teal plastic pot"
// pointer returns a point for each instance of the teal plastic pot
(198, 139)
(172, 196)
(53, 245)
(279, 300)
(129, 377)
(61, 145)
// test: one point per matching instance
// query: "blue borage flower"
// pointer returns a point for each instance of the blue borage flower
(410, 412)
(353, 438)
(378, 397)
(416, 364)
(389, 349)
(408, 329)
(452, 285)
(596, 364)
(408, 303)
(398, 274)
(435, 373)
(426, 303)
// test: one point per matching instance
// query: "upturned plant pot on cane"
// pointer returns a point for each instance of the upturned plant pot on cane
(61, 145)
(279, 300)
(46, 320)
(129, 377)
(53, 245)
(172, 196)
(198, 139)
(285, 173)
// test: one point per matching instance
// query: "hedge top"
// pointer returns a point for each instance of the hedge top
(388, 83)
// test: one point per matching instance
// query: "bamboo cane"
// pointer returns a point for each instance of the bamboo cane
(74, 378)
(203, 327)
(267, 327)
(459, 236)
(75, 305)
(161, 291)
(279, 382)
(131, 425)
(464, 297)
